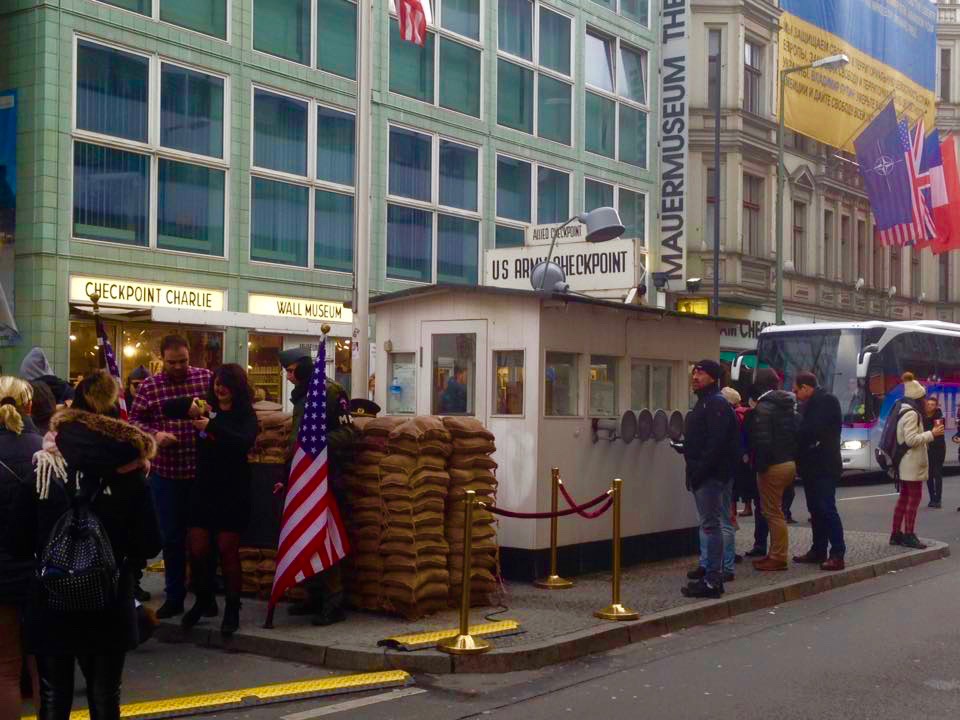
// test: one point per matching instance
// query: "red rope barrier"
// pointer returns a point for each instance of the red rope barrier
(588, 515)
(560, 513)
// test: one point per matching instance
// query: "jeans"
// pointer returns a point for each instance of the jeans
(825, 521)
(935, 477)
(170, 498)
(103, 674)
(713, 504)
(729, 536)
(773, 482)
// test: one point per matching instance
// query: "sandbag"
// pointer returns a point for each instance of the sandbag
(466, 427)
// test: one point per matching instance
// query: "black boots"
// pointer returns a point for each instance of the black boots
(331, 611)
(231, 615)
(199, 610)
(912, 541)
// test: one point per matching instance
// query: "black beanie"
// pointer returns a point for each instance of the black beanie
(710, 367)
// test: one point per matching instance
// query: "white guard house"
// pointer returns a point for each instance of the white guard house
(553, 377)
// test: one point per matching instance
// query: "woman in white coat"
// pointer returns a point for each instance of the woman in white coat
(914, 465)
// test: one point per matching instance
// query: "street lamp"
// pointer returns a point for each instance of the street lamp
(602, 224)
(831, 62)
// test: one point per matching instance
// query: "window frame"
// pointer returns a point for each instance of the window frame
(649, 364)
(578, 385)
(155, 17)
(536, 68)
(435, 28)
(310, 180)
(617, 98)
(619, 12)
(944, 83)
(756, 75)
(152, 148)
(494, 351)
(799, 230)
(314, 46)
(617, 187)
(753, 246)
(943, 277)
(617, 364)
(434, 207)
(534, 194)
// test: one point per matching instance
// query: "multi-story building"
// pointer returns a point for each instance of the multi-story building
(834, 269)
(189, 159)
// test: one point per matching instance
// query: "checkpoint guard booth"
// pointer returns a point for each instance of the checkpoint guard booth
(591, 386)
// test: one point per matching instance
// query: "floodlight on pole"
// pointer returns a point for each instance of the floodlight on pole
(602, 224)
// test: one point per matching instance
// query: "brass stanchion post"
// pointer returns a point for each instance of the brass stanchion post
(464, 643)
(553, 581)
(616, 611)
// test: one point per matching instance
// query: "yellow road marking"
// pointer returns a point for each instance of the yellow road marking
(415, 641)
(171, 707)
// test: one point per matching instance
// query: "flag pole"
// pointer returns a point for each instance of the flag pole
(271, 605)
(101, 353)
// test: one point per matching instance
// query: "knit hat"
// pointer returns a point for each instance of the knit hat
(731, 395)
(710, 367)
(911, 388)
(138, 373)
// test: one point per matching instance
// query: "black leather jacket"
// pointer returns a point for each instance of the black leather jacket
(772, 429)
(712, 440)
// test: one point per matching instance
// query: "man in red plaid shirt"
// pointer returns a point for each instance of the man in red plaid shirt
(175, 467)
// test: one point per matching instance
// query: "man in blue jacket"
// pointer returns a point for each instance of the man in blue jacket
(711, 447)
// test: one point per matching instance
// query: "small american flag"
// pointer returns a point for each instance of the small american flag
(312, 536)
(110, 360)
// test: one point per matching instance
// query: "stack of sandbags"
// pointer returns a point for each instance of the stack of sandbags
(472, 468)
(413, 485)
(363, 514)
(273, 438)
(257, 568)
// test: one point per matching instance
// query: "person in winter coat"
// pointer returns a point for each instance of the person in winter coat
(710, 448)
(104, 461)
(937, 452)
(43, 405)
(35, 366)
(914, 466)
(772, 430)
(218, 509)
(821, 468)
(18, 442)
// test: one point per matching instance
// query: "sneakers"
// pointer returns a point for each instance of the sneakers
(896, 537)
(912, 541)
(697, 573)
(769, 565)
(833, 564)
(758, 552)
(809, 558)
(170, 609)
(701, 589)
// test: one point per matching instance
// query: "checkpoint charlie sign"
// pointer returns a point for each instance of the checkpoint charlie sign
(588, 266)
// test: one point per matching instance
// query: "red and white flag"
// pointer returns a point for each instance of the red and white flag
(312, 536)
(413, 21)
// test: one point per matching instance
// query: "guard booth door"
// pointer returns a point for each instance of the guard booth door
(453, 368)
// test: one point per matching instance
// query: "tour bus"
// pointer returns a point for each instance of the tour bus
(861, 364)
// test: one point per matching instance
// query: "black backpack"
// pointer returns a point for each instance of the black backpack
(889, 452)
(77, 571)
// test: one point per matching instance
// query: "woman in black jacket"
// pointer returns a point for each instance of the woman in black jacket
(105, 459)
(936, 452)
(219, 504)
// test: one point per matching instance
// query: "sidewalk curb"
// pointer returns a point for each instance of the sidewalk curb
(557, 649)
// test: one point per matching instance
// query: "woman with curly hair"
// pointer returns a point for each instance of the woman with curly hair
(219, 505)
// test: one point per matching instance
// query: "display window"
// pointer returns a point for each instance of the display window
(263, 366)
(508, 382)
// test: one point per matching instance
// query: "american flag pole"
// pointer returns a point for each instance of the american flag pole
(312, 535)
(107, 356)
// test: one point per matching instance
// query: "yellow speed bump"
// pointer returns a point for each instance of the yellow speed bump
(419, 641)
(263, 695)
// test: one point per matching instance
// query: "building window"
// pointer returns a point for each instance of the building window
(283, 28)
(714, 66)
(943, 265)
(861, 269)
(829, 256)
(752, 77)
(708, 223)
(896, 270)
(534, 70)
(846, 250)
(561, 385)
(446, 70)
(603, 386)
(508, 382)
(302, 184)
(454, 374)
(915, 278)
(877, 262)
(129, 129)
(636, 10)
(650, 385)
(799, 236)
(630, 204)
(752, 232)
(204, 16)
(945, 74)
(433, 209)
(616, 99)
(518, 195)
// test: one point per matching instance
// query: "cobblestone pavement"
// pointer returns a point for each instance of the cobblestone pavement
(646, 588)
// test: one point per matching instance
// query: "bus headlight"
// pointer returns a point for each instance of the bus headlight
(852, 445)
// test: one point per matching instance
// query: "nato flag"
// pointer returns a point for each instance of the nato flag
(882, 157)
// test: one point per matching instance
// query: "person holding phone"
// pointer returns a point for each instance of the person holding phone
(937, 453)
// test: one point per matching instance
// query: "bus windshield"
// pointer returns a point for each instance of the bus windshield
(830, 354)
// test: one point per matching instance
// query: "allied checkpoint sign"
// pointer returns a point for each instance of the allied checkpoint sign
(892, 49)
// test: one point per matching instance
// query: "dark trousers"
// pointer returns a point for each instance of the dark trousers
(170, 498)
(825, 521)
(935, 477)
(103, 674)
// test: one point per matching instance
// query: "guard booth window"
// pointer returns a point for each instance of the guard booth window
(454, 374)
(508, 382)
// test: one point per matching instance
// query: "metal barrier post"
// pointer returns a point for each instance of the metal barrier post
(554, 581)
(464, 643)
(616, 611)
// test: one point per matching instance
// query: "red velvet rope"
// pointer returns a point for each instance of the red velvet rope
(588, 515)
(560, 513)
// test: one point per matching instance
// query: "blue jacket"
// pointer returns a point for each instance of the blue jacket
(712, 441)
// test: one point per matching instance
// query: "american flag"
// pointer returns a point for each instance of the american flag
(110, 360)
(921, 226)
(413, 21)
(312, 536)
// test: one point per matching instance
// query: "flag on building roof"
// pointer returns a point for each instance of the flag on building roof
(312, 535)
(110, 360)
